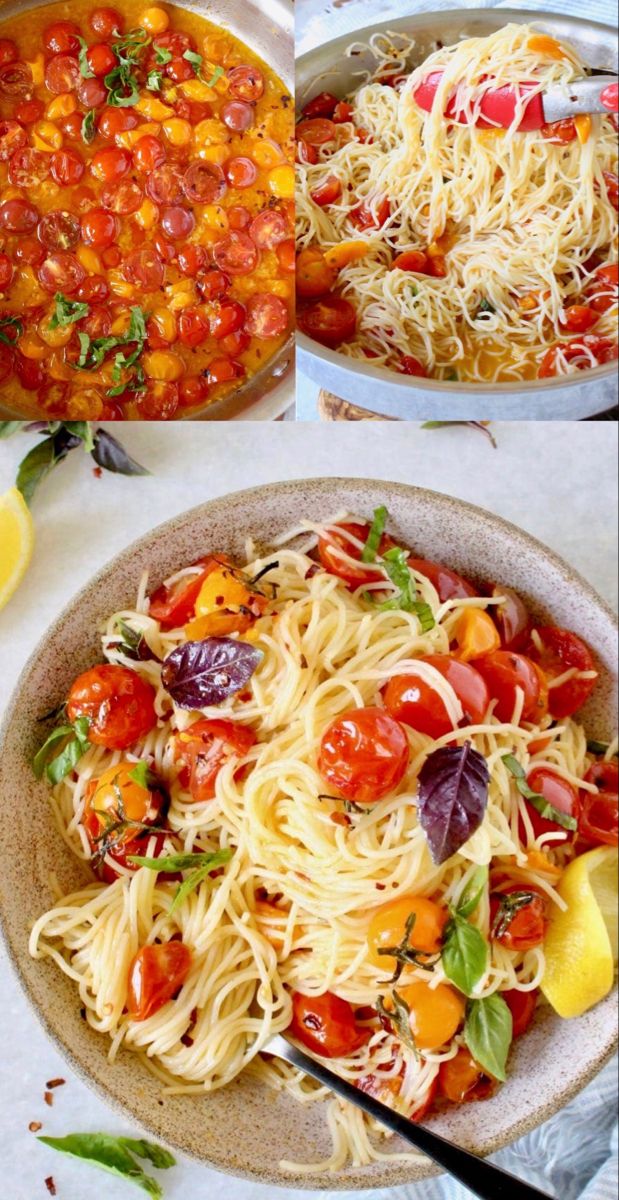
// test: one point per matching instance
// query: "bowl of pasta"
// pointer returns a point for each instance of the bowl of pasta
(332, 757)
(443, 252)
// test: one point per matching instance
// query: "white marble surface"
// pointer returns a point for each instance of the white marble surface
(557, 481)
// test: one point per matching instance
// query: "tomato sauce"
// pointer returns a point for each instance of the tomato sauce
(146, 212)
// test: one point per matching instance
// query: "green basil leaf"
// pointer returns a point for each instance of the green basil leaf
(35, 466)
(67, 312)
(170, 863)
(488, 1033)
(395, 562)
(83, 431)
(162, 55)
(539, 802)
(40, 759)
(88, 130)
(592, 746)
(10, 323)
(377, 528)
(85, 70)
(194, 59)
(217, 74)
(473, 892)
(115, 1155)
(154, 81)
(141, 774)
(8, 428)
(465, 954)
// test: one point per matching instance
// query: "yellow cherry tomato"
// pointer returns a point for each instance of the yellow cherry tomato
(388, 928)
(281, 182)
(435, 1013)
(163, 365)
(154, 20)
(116, 794)
(476, 634)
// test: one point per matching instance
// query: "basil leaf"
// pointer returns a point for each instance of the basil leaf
(484, 307)
(115, 1155)
(110, 455)
(473, 892)
(488, 1033)
(75, 739)
(154, 81)
(67, 312)
(40, 759)
(170, 863)
(194, 59)
(482, 426)
(142, 775)
(592, 746)
(452, 798)
(88, 130)
(217, 74)
(538, 802)
(377, 528)
(162, 55)
(189, 885)
(85, 70)
(8, 428)
(395, 562)
(198, 674)
(10, 323)
(81, 430)
(465, 954)
(41, 459)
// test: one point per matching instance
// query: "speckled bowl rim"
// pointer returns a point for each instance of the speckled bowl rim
(399, 1173)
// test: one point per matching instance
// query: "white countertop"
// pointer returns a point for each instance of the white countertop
(555, 480)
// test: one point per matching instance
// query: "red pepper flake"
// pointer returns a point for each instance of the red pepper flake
(187, 1040)
(48, 1098)
(54, 1083)
(50, 1185)
(34, 1126)
(97, 472)
(339, 818)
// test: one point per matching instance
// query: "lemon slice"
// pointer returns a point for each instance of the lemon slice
(581, 943)
(16, 542)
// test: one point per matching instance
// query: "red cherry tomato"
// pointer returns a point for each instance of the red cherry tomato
(326, 1025)
(29, 167)
(116, 120)
(63, 37)
(6, 362)
(612, 187)
(579, 318)
(371, 216)
(364, 754)
(30, 251)
(306, 153)
(13, 137)
(522, 1007)
(192, 391)
(106, 22)
(240, 172)
(239, 217)
(29, 111)
(144, 268)
(268, 229)
(599, 818)
(204, 748)
(562, 650)
(15, 79)
(148, 154)
(118, 703)
(446, 583)
(204, 183)
(67, 167)
(193, 328)
(286, 255)
(416, 703)
(124, 197)
(61, 272)
(560, 794)
(92, 93)
(177, 222)
(62, 74)
(322, 105)
(223, 370)
(18, 216)
(8, 51)
(602, 290)
(316, 132)
(58, 230)
(237, 115)
(179, 70)
(235, 343)
(192, 260)
(98, 323)
(411, 366)
(579, 353)
(101, 59)
(336, 540)
(517, 917)
(560, 132)
(159, 402)
(267, 316)
(93, 290)
(511, 618)
(99, 228)
(229, 317)
(213, 284)
(6, 272)
(246, 83)
(327, 192)
(155, 975)
(236, 254)
(30, 373)
(330, 320)
(110, 164)
(505, 671)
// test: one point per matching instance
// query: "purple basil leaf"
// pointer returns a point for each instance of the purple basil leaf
(110, 455)
(198, 674)
(453, 794)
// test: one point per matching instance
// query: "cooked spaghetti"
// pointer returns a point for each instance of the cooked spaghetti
(458, 250)
(266, 741)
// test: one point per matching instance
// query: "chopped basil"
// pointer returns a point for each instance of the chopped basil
(171, 863)
(162, 55)
(10, 323)
(67, 312)
(143, 776)
(93, 353)
(122, 83)
(539, 802)
(485, 307)
(395, 562)
(88, 130)
(217, 74)
(154, 81)
(370, 550)
(488, 1033)
(117, 1155)
(195, 60)
(597, 747)
(85, 69)
(74, 739)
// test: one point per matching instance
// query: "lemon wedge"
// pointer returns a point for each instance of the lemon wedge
(16, 542)
(581, 943)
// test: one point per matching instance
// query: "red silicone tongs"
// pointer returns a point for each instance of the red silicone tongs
(598, 94)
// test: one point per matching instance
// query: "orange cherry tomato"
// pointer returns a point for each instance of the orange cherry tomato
(314, 275)
(316, 132)
(504, 672)
(522, 1007)
(118, 703)
(560, 794)
(561, 650)
(326, 1024)
(155, 975)
(117, 795)
(435, 1013)
(517, 917)
(336, 540)
(416, 703)
(412, 260)
(174, 605)
(110, 164)
(364, 754)
(476, 634)
(204, 748)
(387, 928)
(461, 1079)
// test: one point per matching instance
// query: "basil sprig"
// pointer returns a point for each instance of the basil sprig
(465, 950)
(488, 1033)
(67, 312)
(117, 1155)
(538, 802)
(203, 864)
(122, 82)
(73, 743)
(59, 437)
(406, 954)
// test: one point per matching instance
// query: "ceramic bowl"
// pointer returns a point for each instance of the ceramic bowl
(245, 1129)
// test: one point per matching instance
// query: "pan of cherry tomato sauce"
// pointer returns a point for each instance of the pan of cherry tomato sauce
(146, 212)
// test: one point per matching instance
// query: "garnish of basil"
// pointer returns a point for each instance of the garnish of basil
(377, 528)
(71, 741)
(171, 863)
(116, 1155)
(465, 950)
(67, 312)
(199, 674)
(194, 60)
(13, 323)
(399, 1017)
(85, 69)
(395, 563)
(88, 130)
(217, 74)
(488, 1033)
(538, 802)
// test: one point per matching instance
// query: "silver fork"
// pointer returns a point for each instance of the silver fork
(484, 1180)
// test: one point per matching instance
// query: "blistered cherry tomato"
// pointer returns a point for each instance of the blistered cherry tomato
(326, 1025)
(413, 701)
(364, 754)
(61, 272)
(267, 315)
(561, 795)
(148, 153)
(155, 975)
(192, 259)
(522, 1007)
(118, 703)
(518, 917)
(330, 320)
(561, 651)
(599, 818)
(461, 1079)
(435, 1014)
(193, 328)
(204, 748)
(504, 672)
(67, 167)
(229, 317)
(387, 928)
(237, 115)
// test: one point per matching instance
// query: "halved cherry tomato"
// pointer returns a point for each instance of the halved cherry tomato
(435, 1013)
(511, 618)
(461, 1079)
(602, 290)
(203, 749)
(387, 928)
(599, 818)
(316, 132)
(155, 976)
(336, 540)
(364, 753)
(579, 352)
(327, 192)
(118, 703)
(611, 179)
(174, 606)
(518, 917)
(447, 584)
(363, 216)
(326, 1024)
(522, 1007)
(505, 671)
(412, 260)
(314, 275)
(560, 651)
(560, 132)
(475, 634)
(560, 794)
(322, 105)
(416, 703)
(409, 365)
(331, 320)
(579, 318)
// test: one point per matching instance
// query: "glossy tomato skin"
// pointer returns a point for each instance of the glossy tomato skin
(416, 703)
(558, 792)
(503, 672)
(387, 928)
(174, 606)
(364, 754)
(326, 1025)
(336, 540)
(526, 928)
(205, 747)
(155, 975)
(599, 818)
(511, 618)
(331, 320)
(522, 1007)
(118, 703)
(562, 650)
(462, 1079)
(447, 584)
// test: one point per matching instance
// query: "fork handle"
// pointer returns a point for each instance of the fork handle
(481, 1177)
